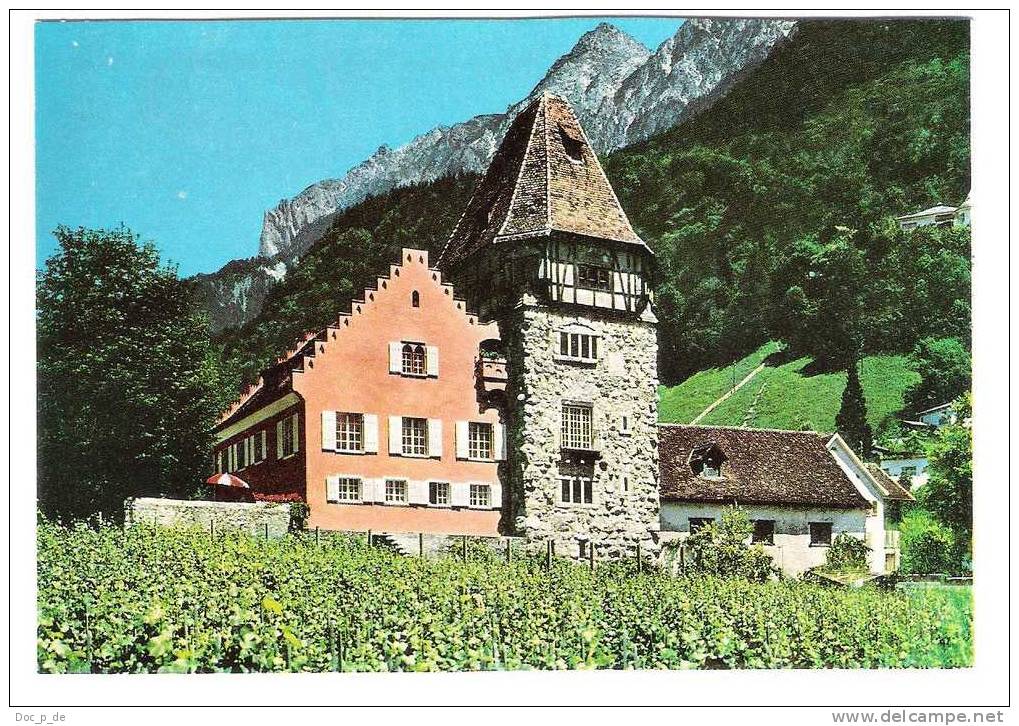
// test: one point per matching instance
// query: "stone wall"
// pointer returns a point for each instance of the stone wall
(250, 517)
(623, 381)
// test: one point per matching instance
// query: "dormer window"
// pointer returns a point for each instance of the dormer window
(706, 461)
(573, 146)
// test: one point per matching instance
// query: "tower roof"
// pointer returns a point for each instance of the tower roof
(544, 177)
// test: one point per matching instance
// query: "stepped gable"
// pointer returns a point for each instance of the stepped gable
(277, 380)
(544, 178)
(761, 466)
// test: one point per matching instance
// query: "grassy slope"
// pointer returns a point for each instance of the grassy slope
(792, 396)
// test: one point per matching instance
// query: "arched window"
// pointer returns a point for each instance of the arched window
(706, 460)
(414, 359)
(415, 299)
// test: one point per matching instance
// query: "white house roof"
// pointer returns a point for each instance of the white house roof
(935, 409)
(939, 209)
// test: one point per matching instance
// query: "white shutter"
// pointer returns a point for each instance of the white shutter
(496, 495)
(249, 450)
(499, 441)
(432, 360)
(263, 450)
(395, 435)
(462, 429)
(459, 493)
(435, 437)
(371, 433)
(332, 488)
(297, 440)
(279, 439)
(395, 358)
(417, 492)
(373, 490)
(329, 430)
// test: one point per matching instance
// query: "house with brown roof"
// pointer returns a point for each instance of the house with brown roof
(801, 489)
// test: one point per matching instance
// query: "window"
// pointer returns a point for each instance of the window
(624, 425)
(286, 430)
(698, 523)
(349, 490)
(349, 432)
(820, 534)
(592, 277)
(415, 436)
(479, 440)
(396, 491)
(576, 490)
(219, 462)
(573, 146)
(415, 299)
(414, 359)
(578, 346)
(438, 493)
(706, 460)
(481, 495)
(577, 430)
(764, 531)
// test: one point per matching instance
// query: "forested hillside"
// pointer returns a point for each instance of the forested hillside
(770, 212)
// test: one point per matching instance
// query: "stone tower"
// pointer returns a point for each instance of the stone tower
(545, 249)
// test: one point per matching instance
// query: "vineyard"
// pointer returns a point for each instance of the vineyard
(146, 600)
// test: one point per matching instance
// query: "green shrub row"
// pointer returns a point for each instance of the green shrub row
(146, 600)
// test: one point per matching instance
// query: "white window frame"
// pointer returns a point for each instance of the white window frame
(344, 488)
(576, 344)
(572, 439)
(341, 417)
(437, 487)
(408, 435)
(474, 448)
(408, 366)
(579, 490)
(476, 500)
(284, 425)
(391, 492)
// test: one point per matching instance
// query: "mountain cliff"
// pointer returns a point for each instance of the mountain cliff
(621, 91)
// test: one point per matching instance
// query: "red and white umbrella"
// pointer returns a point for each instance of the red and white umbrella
(227, 480)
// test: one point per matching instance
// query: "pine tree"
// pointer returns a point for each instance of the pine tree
(851, 421)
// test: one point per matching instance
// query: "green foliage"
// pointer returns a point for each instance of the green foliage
(948, 494)
(847, 554)
(128, 388)
(147, 600)
(795, 396)
(947, 372)
(299, 512)
(769, 212)
(928, 547)
(722, 549)
(851, 422)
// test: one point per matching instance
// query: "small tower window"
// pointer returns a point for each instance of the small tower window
(415, 299)
(573, 146)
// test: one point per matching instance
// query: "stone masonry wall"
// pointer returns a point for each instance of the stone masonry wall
(248, 516)
(625, 508)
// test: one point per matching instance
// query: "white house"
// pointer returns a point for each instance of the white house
(912, 465)
(941, 215)
(801, 489)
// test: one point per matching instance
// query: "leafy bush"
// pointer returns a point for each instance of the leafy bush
(299, 512)
(847, 554)
(928, 546)
(149, 600)
(722, 549)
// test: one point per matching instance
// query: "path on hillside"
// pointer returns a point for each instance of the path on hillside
(731, 391)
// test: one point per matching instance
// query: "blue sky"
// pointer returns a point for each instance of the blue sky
(188, 131)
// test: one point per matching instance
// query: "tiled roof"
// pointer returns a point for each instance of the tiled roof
(543, 177)
(895, 491)
(761, 466)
